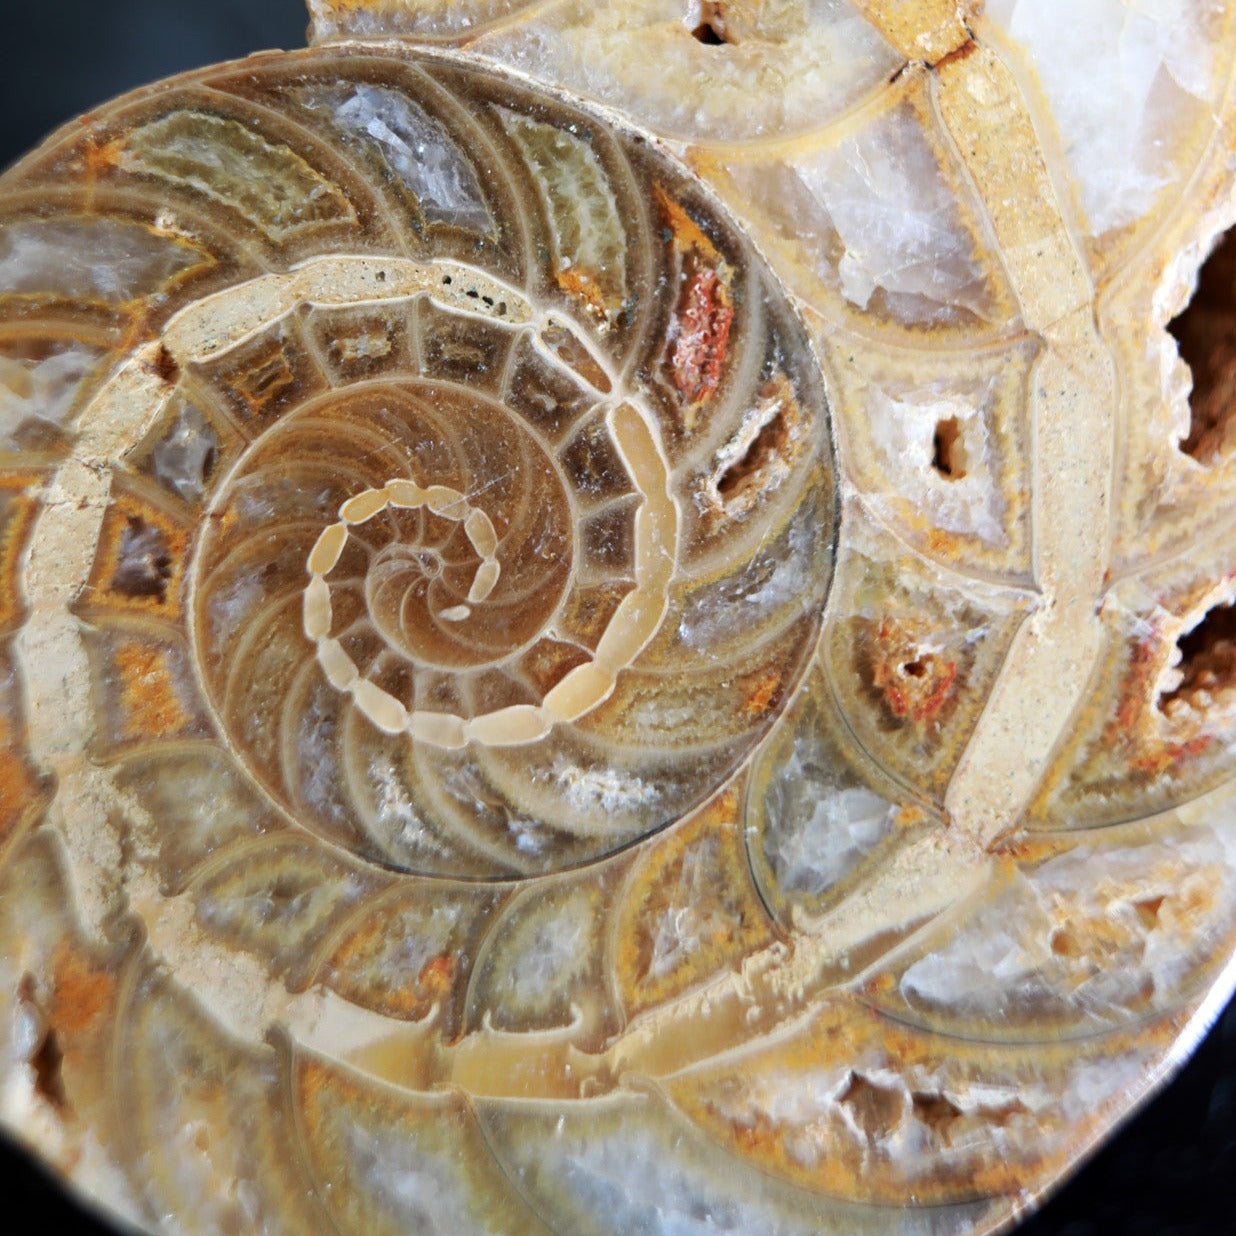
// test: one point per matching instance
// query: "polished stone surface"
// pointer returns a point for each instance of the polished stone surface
(481, 762)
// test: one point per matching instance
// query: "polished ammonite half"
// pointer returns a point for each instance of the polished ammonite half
(622, 626)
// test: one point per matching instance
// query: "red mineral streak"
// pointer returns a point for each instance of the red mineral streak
(703, 319)
(914, 684)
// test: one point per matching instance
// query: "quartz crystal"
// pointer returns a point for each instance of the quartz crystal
(617, 617)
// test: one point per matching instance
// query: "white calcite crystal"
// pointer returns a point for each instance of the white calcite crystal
(42, 392)
(1136, 74)
(415, 147)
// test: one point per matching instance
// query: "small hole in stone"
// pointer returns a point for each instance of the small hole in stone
(764, 448)
(708, 34)
(876, 1109)
(949, 457)
(144, 565)
(46, 1062)
(165, 365)
(1148, 911)
(915, 669)
(1207, 660)
(1206, 333)
(935, 1111)
(284, 891)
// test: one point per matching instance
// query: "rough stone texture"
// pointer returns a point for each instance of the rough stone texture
(705, 866)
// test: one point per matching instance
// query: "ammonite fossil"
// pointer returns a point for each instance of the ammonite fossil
(618, 618)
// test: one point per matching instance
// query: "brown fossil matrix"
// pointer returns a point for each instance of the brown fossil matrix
(500, 733)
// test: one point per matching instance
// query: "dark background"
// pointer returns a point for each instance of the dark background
(1170, 1172)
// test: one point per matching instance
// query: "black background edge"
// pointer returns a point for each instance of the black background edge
(1170, 1171)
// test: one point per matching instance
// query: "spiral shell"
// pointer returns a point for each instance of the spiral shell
(432, 492)
(491, 472)
(477, 755)
(993, 226)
